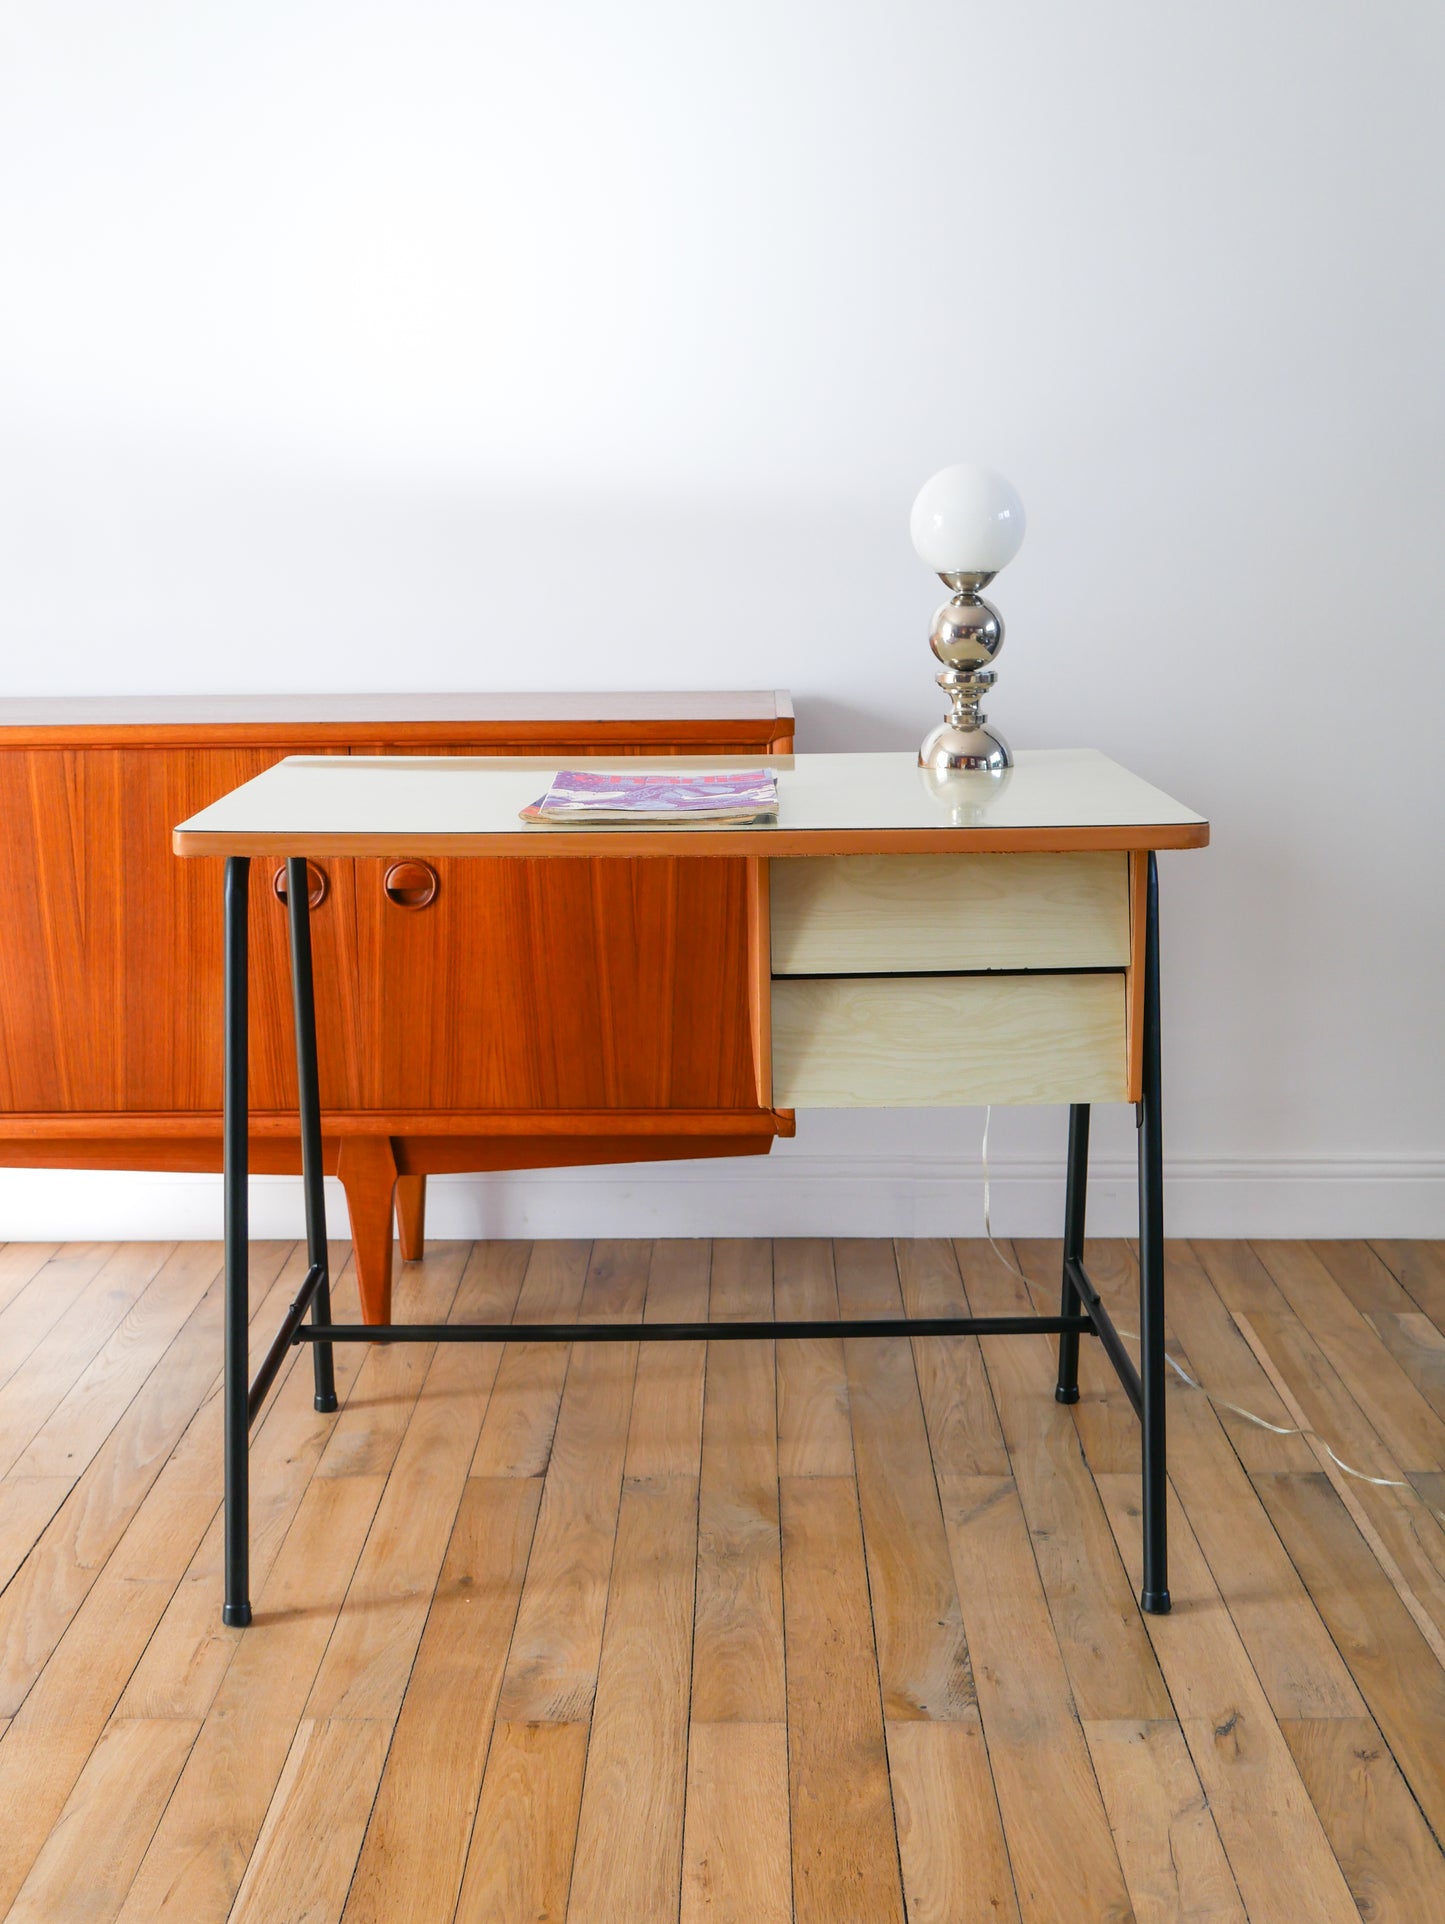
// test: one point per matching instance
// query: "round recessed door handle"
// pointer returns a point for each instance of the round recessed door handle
(411, 885)
(316, 884)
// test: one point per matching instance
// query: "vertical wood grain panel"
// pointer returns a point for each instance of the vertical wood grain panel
(558, 984)
(110, 947)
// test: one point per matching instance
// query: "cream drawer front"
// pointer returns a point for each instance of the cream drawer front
(855, 914)
(942, 1041)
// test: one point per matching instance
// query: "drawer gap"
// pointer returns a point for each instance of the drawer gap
(903, 975)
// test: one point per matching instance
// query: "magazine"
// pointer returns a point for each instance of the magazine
(585, 795)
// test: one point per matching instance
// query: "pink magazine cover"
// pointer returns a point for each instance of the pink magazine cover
(731, 795)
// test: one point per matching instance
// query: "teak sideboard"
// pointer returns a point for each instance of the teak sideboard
(431, 1056)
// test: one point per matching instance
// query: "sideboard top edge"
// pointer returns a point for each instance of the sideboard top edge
(289, 720)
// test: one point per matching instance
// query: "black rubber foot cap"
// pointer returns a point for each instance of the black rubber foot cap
(1061, 1395)
(1155, 1603)
(237, 1615)
(327, 1405)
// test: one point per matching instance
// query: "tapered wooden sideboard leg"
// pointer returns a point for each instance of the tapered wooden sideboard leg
(367, 1169)
(411, 1217)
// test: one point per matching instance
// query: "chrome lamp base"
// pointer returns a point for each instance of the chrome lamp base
(967, 635)
(954, 745)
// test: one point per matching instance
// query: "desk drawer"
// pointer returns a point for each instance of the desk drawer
(895, 914)
(843, 1042)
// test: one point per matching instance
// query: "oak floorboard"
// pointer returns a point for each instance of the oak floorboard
(1409, 1428)
(35, 1307)
(551, 1672)
(735, 1862)
(1405, 1533)
(917, 1623)
(1295, 1354)
(52, 1736)
(963, 1429)
(813, 1434)
(1419, 1348)
(666, 1433)
(1296, 1659)
(369, 1659)
(1416, 1343)
(1284, 1869)
(950, 1837)
(1396, 1671)
(117, 1618)
(743, 1277)
(184, 1662)
(1107, 1426)
(1391, 1860)
(1369, 1283)
(94, 1403)
(661, 1677)
(67, 1352)
(1292, 1652)
(83, 1607)
(367, 1432)
(1059, 1841)
(19, 1263)
(1214, 1350)
(845, 1852)
(629, 1831)
(737, 1667)
(198, 1855)
(1174, 1863)
(304, 1856)
(1105, 1649)
(1419, 1267)
(516, 1435)
(47, 1582)
(91, 1854)
(414, 1853)
(519, 1862)
(31, 1504)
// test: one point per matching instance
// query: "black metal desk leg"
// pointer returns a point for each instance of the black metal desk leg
(237, 1606)
(308, 1089)
(1075, 1195)
(1155, 1595)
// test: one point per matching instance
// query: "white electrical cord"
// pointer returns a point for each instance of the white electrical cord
(1219, 1402)
(987, 1214)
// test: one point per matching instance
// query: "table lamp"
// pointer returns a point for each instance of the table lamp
(967, 523)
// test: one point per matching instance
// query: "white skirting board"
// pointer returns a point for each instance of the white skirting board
(790, 1193)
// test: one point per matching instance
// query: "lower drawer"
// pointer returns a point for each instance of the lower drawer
(857, 1042)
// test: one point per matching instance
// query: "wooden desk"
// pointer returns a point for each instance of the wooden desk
(992, 939)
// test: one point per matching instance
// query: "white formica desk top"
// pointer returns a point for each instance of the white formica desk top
(1055, 798)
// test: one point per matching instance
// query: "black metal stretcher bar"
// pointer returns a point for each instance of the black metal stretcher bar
(689, 1332)
(1082, 1310)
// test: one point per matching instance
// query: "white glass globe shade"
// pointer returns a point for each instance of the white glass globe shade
(967, 520)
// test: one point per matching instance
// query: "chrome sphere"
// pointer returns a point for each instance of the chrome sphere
(975, 747)
(967, 632)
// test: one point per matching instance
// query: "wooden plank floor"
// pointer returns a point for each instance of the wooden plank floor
(841, 1634)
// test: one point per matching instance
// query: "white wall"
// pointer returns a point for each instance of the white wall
(360, 344)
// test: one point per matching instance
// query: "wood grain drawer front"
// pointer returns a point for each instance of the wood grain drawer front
(857, 914)
(873, 1042)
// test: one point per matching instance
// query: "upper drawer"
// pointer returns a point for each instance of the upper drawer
(927, 914)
